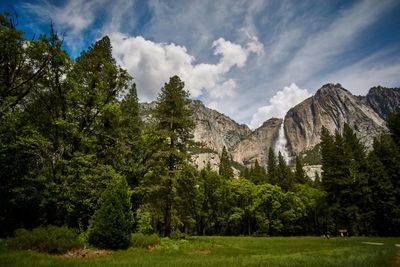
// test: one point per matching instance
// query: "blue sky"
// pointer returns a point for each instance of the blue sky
(251, 60)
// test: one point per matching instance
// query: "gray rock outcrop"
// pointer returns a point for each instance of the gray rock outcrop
(256, 145)
(332, 106)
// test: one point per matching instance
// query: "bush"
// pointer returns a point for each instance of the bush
(140, 240)
(111, 224)
(143, 219)
(178, 235)
(50, 239)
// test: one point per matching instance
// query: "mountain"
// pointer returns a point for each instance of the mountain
(383, 100)
(216, 130)
(256, 145)
(332, 106)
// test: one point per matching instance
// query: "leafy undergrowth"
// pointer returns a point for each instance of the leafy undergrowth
(230, 251)
(49, 239)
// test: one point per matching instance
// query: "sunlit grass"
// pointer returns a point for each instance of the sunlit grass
(232, 251)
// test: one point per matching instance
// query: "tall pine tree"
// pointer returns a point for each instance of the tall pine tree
(225, 168)
(299, 175)
(169, 142)
(272, 167)
(284, 174)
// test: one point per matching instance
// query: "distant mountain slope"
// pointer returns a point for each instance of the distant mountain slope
(332, 106)
(383, 100)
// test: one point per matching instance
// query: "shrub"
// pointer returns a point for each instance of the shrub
(50, 239)
(140, 240)
(143, 222)
(111, 224)
(178, 235)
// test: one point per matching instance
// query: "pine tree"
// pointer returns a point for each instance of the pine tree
(258, 174)
(111, 224)
(94, 85)
(225, 168)
(131, 133)
(246, 173)
(344, 179)
(168, 144)
(388, 154)
(394, 125)
(272, 167)
(381, 200)
(317, 181)
(359, 190)
(284, 174)
(300, 176)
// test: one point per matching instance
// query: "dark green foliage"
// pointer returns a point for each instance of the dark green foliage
(299, 175)
(22, 63)
(362, 191)
(111, 224)
(140, 240)
(225, 168)
(312, 156)
(272, 167)
(187, 199)
(177, 234)
(385, 184)
(394, 125)
(49, 239)
(71, 134)
(284, 174)
(257, 174)
(168, 141)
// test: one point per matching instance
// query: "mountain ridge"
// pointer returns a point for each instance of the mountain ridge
(331, 107)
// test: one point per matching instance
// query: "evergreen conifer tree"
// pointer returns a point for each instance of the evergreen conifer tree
(258, 174)
(111, 224)
(272, 167)
(394, 125)
(300, 176)
(225, 168)
(284, 174)
(168, 144)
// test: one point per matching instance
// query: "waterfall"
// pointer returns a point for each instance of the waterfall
(281, 144)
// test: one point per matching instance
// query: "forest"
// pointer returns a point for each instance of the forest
(74, 152)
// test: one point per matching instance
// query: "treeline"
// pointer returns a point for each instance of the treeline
(363, 189)
(74, 152)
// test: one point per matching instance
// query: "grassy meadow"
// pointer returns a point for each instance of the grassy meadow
(230, 251)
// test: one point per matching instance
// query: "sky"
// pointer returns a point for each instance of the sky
(251, 60)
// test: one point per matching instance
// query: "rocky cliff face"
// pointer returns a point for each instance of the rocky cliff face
(256, 145)
(332, 106)
(383, 100)
(215, 130)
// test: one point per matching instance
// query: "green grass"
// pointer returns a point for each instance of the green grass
(232, 251)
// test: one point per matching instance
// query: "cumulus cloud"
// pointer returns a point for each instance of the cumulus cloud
(279, 104)
(153, 63)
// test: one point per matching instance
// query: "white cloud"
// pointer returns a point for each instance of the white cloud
(153, 63)
(323, 48)
(279, 104)
(306, 42)
(369, 72)
(72, 18)
(75, 17)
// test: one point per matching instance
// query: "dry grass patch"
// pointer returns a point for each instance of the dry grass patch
(85, 253)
